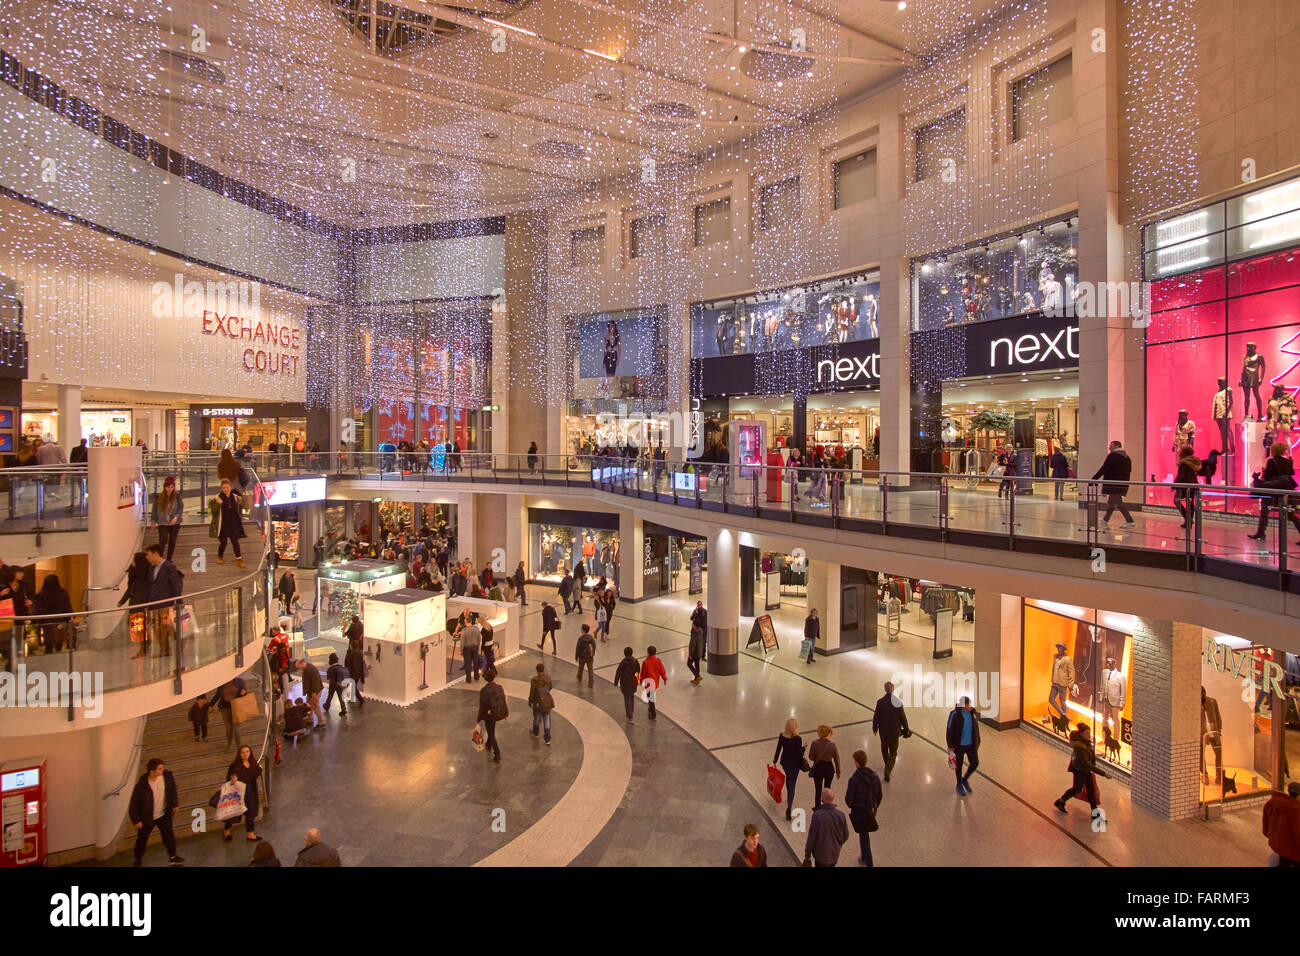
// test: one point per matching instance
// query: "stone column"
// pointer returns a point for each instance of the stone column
(723, 602)
(1166, 717)
(520, 359)
(895, 376)
(824, 595)
(69, 434)
(466, 542)
(997, 657)
(631, 545)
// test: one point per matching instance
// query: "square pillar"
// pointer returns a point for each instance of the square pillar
(997, 653)
(1166, 717)
(895, 378)
(466, 538)
(723, 602)
(824, 595)
(631, 546)
(69, 425)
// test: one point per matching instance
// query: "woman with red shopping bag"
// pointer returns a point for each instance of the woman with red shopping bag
(790, 757)
(1083, 767)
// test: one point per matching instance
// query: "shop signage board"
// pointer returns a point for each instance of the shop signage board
(772, 590)
(697, 574)
(293, 491)
(763, 633)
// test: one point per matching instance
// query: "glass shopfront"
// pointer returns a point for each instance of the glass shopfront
(1034, 269)
(1077, 668)
(259, 426)
(1223, 341)
(99, 426)
(828, 312)
(558, 540)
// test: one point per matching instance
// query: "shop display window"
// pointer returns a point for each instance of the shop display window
(824, 313)
(361, 520)
(341, 588)
(1091, 682)
(1233, 364)
(555, 549)
(333, 524)
(286, 539)
(1034, 270)
(1236, 717)
(396, 516)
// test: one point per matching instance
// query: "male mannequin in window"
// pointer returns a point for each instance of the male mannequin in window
(1062, 682)
(1222, 411)
(1281, 415)
(1114, 685)
(1252, 376)
(1212, 734)
(1184, 433)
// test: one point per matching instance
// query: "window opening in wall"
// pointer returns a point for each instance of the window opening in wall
(1042, 98)
(587, 247)
(855, 178)
(941, 144)
(778, 204)
(648, 236)
(713, 222)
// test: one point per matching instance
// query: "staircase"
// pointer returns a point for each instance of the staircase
(199, 768)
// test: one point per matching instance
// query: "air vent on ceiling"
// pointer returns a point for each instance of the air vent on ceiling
(302, 146)
(557, 149)
(436, 173)
(194, 67)
(770, 64)
(670, 113)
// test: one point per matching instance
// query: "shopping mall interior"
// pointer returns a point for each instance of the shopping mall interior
(909, 387)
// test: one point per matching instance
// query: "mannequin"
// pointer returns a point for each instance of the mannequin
(1114, 684)
(1281, 415)
(1184, 432)
(1053, 304)
(1252, 374)
(1062, 682)
(1223, 414)
(1212, 734)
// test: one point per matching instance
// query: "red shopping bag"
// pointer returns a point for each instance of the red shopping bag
(775, 782)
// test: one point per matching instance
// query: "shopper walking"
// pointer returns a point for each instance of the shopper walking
(863, 797)
(227, 467)
(602, 615)
(812, 630)
(312, 685)
(550, 622)
(1281, 824)
(585, 654)
(750, 852)
(532, 458)
(565, 590)
(51, 599)
(336, 674)
(167, 511)
(541, 701)
(316, 852)
(355, 662)
(491, 709)
(264, 855)
(653, 676)
(694, 651)
(963, 735)
(1279, 474)
(244, 769)
(1115, 471)
(230, 524)
(1083, 767)
(825, 757)
(889, 723)
(165, 584)
(153, 803)
(828, 831)
(790, 757)
(1007, 462)
(579, 582)
(521, 580)
(627, 679)
(470, 639)
(235, 687)
(1189, 470)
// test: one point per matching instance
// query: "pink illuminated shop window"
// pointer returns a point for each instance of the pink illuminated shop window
(1264, 273)
(1176, 292)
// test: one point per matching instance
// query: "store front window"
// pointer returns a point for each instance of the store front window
(100, 427)
(845, 309)
(1078, 669)
(284, 524)
(559, 540)
(1222, 363)
(1028, 416)
(1035, 269)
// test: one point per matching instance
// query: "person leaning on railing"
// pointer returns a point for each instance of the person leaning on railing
(1279, 474)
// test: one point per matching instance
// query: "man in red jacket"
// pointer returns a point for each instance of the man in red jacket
(1281, 824)
(653, 676)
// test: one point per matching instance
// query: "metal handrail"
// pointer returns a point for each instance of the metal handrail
(132, 764)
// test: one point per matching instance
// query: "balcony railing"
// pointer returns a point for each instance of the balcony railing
(1017, 513)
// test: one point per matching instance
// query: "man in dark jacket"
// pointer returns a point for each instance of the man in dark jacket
(963, 737)
(566, 589)
(812, 630)
(626, 679)
(1115, 472)
(521, 580)
(492, 708)
(550, 621)
(153, 802)
(827, 832)
(165, 583)
(585, 654)
(1060, 470)
(863, 798)
(355, 662)
(312, 685)
(317, 852)
(700, 619)
(750, 852)
(889, 722)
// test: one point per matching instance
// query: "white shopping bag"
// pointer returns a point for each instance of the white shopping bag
(230, 801)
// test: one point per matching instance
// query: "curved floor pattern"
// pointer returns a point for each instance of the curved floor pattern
(579, 815)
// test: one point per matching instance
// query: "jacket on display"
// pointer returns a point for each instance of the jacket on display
(1063, 671)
